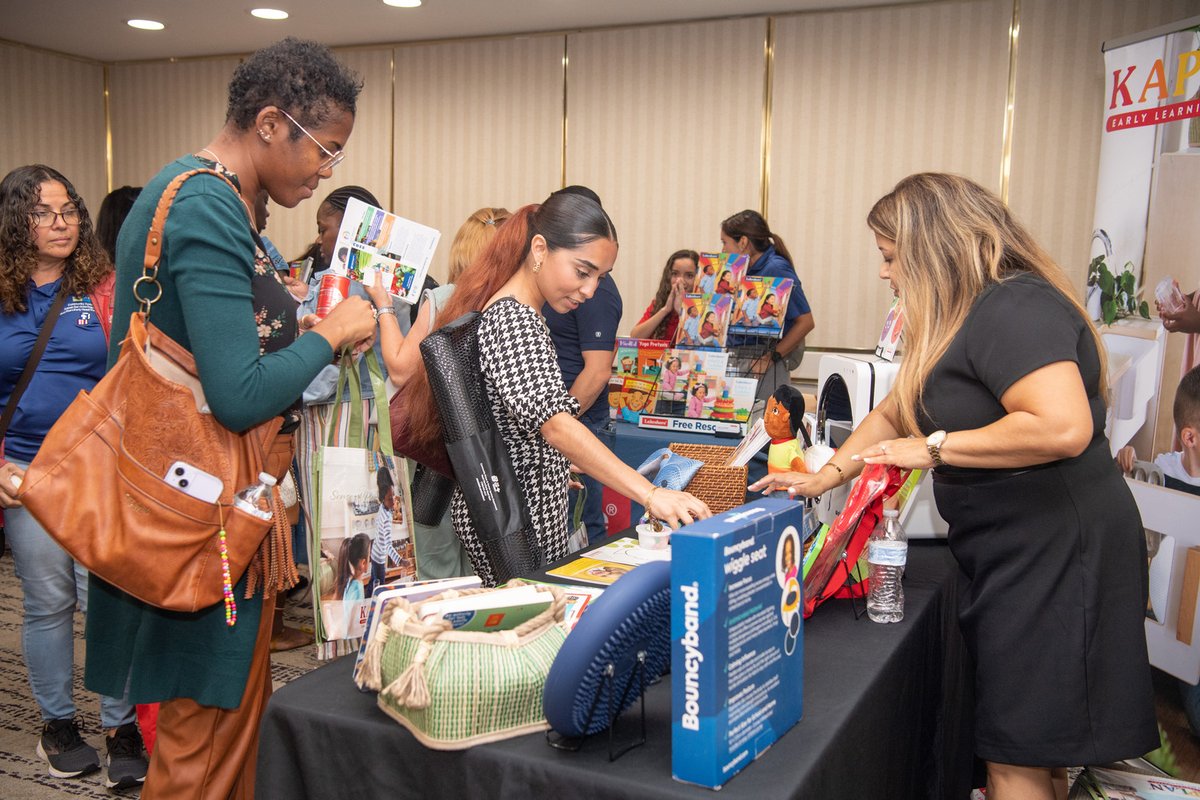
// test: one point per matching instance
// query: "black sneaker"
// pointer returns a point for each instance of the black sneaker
(68, 755)
(126, 758)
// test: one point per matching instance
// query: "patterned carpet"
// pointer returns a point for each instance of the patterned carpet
(23, 775)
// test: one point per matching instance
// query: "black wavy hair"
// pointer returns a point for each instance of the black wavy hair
(113, 211)
(20, 191)
(298, 76)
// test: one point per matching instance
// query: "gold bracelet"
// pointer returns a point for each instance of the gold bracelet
(649, 494)
(841, 472)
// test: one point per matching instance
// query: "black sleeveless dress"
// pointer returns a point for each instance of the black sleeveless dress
(1052, 559)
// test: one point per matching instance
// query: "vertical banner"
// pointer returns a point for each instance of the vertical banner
(1151, 108)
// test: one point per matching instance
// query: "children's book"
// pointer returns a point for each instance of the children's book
(638, 396)
(688, 332)
(720, 273)
(499, 610)
(742, 391)
(649, 357)
(761, 306)
(703, 391)
(591, 570)
(372, 241)
(625, 360)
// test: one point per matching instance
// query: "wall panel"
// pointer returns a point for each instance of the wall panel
(665, 123)
(477, 124)
(1060, 108)
(54, 115)
(863, 98)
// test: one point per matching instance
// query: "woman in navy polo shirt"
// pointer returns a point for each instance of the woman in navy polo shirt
(47, 248)
(747, 233)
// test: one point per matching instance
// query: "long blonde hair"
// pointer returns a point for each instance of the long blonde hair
(472, 237)
(953, 239)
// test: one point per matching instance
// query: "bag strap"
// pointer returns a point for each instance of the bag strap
(154, 238)
(39, 347)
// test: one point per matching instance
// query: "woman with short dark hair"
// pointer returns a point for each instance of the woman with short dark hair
(291, 110)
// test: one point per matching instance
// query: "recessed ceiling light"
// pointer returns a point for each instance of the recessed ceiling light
(268, 13)
(402, 3)
(145, 24)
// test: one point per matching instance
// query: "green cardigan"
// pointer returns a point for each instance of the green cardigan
(207, 306)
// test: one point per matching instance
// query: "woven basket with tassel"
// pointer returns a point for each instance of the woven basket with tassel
(453, 689)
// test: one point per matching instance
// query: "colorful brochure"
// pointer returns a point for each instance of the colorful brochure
(373, 241)
(761, 306)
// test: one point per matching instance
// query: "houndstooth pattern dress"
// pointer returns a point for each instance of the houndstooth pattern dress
(525, 387)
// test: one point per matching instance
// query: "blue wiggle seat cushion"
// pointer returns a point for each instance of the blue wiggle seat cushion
(633, 615)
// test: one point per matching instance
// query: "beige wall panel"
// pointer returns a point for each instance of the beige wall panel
(54, 115)
(863, 98)
(162, 110)
(665, 123)
(477, 124)
(1060, 108)
(368, 153)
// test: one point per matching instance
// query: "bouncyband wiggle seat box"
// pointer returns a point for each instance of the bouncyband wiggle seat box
(737, 654)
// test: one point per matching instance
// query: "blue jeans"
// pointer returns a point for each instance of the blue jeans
(593, 504)
(52, 583)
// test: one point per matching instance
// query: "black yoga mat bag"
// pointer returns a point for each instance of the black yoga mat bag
(479, 456)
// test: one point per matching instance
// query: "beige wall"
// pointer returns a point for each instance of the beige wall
(666, 123)
(53, 113)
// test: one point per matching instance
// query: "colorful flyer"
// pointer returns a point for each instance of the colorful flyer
(372, 241)
(720, 273)
(893, 329)
(761, 306)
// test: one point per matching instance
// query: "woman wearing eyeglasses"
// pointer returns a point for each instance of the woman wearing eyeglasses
(54, 276)
(291, 110)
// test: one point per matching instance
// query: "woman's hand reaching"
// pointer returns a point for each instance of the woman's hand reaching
(675, 508)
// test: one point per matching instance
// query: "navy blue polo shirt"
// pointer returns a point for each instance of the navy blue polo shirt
(592, 326)
(74, 360)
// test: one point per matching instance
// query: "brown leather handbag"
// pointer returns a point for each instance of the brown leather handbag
(99, 485)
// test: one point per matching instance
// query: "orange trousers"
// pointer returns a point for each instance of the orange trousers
(209, 753)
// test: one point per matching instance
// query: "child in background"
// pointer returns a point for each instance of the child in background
(382, 548)
(1181, 468)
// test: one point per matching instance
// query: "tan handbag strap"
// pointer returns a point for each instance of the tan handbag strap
(154, 237)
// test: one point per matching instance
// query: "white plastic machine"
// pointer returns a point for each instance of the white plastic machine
(848, 388)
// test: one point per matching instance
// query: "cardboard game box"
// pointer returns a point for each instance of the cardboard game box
(737, 641)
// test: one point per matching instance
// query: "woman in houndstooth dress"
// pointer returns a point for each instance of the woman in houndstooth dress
(553, 254)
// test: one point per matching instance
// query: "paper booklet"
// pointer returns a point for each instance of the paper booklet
(720, 273)
(705, 320)
(756, 439)
(579, 599)
(627, 551)
(893, 328)
(1107, 784)
(591, 570)
(372, 240)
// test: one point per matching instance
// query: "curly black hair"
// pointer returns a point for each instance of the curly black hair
(296, 75)
(20, 191)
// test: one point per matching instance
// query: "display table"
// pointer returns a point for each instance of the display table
(886, 714)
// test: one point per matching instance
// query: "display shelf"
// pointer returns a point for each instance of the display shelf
(1136, 352)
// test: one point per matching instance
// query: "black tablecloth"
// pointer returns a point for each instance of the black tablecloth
(886, 715)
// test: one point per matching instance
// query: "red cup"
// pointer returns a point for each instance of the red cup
(334, 289)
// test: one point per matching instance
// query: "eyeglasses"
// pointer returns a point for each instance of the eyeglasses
(333, 158)
(45, 219)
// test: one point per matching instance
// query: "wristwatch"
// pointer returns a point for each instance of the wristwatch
(934, 444)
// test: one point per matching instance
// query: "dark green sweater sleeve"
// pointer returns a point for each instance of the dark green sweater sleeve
(209, 254)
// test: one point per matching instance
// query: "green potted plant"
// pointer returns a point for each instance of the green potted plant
(1118, 294)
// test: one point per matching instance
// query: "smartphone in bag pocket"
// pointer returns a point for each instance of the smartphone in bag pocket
(194, 481)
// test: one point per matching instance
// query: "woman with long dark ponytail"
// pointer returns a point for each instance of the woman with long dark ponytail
(747, 233)
(550, 254)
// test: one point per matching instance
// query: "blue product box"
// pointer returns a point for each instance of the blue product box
(737, 643)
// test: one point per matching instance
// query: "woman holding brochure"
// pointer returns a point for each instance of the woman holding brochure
(554, 253)
(1001, 393)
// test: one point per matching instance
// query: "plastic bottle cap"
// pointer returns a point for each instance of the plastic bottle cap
(891, 512)
(269, 480)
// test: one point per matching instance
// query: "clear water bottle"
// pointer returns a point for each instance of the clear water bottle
(256, 498)
(887, 553)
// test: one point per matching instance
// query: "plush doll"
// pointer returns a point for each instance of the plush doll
(783, 422)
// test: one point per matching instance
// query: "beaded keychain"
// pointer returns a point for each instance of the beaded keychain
(226, 583)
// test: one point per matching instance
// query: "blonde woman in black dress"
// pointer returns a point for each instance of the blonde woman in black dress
(1002, 392)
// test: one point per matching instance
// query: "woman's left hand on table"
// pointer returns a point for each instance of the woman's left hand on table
(907, 453)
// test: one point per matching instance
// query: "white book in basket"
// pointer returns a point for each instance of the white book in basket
(502, 609)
